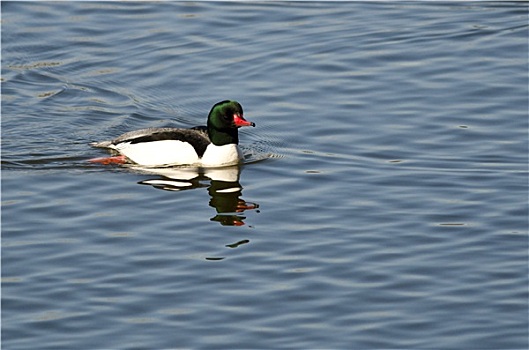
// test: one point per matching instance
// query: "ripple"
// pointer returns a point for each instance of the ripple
(386, 178)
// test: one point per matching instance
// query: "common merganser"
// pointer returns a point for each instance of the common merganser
(209, 146)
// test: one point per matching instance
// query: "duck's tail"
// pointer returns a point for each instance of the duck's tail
(102, 144)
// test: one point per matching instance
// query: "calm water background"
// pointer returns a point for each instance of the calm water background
(389, 166)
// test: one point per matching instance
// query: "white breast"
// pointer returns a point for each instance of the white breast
(221, 155)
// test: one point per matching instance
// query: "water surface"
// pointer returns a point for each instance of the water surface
(382, 204)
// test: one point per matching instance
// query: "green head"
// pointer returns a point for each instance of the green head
(223, 121)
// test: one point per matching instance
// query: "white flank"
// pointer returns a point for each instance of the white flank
(159, 153)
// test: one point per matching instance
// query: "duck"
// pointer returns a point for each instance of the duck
(213, 145)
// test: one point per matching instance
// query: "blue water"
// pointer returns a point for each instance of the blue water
(383, 202)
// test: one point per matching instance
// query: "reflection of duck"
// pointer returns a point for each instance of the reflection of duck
(224, 188)
(209, 146)
(225, 199)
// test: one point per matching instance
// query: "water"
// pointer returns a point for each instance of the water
(383, 203)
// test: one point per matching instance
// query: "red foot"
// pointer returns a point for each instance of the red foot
(109, 160)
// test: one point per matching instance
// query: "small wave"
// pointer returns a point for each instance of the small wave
(259, 151)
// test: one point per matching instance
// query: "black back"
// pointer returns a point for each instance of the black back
(196, 136)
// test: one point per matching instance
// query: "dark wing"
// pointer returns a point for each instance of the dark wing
(130, 136)
(197, 137)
